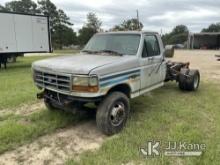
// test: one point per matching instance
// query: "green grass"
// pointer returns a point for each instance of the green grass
(17, 87)
(167, 115)
(19, 130)
(66, 51)
(16, 84)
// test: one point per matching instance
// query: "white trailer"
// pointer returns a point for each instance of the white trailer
(23, 33)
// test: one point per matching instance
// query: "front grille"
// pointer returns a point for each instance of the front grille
(51, 80)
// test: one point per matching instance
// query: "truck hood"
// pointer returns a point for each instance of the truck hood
(76, 64)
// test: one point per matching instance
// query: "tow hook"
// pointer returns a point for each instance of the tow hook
(40, 95)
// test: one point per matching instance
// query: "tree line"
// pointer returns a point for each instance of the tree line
(179, 34)
(62, 33)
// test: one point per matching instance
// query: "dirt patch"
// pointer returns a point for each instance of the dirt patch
(57, 147)
(204, 60)
(24, 110)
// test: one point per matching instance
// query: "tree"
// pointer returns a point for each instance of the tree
(178, 35)
(64, 36)
(93, 22)
(131, 24)
(212, 28)
(46, 7)
(22, 6)
(92, 26)
(59, 23)
(2, 8)
(179, 29)
(85, 34)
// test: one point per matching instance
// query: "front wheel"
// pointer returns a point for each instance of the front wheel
(112, 113)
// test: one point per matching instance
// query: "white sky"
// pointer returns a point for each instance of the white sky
(154, 14)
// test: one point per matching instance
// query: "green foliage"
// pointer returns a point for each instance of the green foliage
(2, 8)
(131, 24)
(212, 28)
(64, 36)
(179, 29)
(92, 26)
(22, 6)
(93, 22)
(60, 23)
(85, 34)
(177, 36)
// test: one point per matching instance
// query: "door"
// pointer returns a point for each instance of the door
(151, 62)
(7, 33)
(23, 29)
(40, 34)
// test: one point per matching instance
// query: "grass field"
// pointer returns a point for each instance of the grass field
(16, 84)
(166, 114)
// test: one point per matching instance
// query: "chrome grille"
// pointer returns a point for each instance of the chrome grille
(51, 80)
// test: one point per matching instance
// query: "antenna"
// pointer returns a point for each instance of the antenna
(139, 27)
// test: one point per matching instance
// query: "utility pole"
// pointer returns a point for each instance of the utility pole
(138, 20)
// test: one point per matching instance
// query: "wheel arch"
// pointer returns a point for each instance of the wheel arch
(124, 88)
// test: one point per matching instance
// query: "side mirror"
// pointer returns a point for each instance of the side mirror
(169, 51)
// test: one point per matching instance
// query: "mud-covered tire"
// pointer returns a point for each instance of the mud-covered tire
(113, 113)
(189, 80)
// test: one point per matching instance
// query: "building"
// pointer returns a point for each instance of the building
(207, 40)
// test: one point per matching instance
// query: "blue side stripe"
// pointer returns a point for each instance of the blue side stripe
(118, 79)
(119, 75)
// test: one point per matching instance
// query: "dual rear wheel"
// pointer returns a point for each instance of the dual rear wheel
(189, 80)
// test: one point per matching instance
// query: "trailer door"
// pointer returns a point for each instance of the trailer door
(40, 34)
(23, 26)
(7, 33)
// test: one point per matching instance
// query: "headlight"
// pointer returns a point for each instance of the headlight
(85, 83)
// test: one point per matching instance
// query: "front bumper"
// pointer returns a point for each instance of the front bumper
(65, 99)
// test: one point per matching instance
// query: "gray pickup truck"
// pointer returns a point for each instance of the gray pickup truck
(112, 68)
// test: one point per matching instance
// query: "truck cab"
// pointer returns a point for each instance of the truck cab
(112, 68)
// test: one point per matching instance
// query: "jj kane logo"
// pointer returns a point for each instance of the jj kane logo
(156, 148)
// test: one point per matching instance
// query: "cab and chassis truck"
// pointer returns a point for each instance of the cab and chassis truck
(112, 68)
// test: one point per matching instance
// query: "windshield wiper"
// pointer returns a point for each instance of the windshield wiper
(110, 51)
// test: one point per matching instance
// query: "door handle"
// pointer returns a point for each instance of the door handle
(151, 58)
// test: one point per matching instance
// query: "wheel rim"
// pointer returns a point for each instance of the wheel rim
(196, 81)
(117, 114)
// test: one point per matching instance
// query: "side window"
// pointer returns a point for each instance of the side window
(152, 45)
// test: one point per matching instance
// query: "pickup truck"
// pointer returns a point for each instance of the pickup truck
(112, 68)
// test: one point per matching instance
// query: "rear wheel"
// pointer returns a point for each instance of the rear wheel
(112, 113)
(11, 59)
(189, 80)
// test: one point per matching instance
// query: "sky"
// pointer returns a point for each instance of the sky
(156, 15)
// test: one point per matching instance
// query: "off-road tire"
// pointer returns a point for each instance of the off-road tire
(189, 80)
(105, 109)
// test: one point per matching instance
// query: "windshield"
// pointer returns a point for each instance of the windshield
(125, 44)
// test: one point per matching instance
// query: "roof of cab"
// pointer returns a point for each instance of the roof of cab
(129, 32)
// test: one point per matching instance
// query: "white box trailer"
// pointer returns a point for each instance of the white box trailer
(23, 33)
